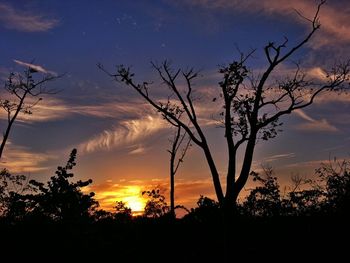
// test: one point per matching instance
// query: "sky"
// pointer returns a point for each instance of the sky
(122, 143)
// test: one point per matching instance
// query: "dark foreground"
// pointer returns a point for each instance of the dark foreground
(162, 240)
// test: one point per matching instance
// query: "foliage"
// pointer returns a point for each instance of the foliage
(328, 194)
(20, 89)
(207, 210)
(60, 199)
(123, 213)
(264, 200)
(12, 187)
(336, 176)
(156, 206)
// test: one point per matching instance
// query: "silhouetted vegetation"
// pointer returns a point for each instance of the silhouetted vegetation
(58, 213)
(24, 91)
(177, 156)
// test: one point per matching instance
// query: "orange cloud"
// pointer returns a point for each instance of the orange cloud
(334, 17)
(19, 159)
(313, 124)
(187, 192)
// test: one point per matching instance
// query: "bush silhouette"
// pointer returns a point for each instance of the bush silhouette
(60, 199)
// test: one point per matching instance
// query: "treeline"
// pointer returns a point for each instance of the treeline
(61, 200)
(58, 218)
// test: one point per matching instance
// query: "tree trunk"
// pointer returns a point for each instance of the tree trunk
(247, 164)
(214, 174)
(172, 184)
(9, 126)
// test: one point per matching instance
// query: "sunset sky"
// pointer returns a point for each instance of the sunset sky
(122, 143)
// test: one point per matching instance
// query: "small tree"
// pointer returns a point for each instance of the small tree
(156, 206)
(62, 200)
(207, 210)
(252, 107)
(336, 177)
(123, 212)
(264, 200)
(176, 160)
(21, 88)
(12, 189)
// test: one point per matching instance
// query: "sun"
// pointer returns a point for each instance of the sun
(131, 195)
(132, 198)
(136, 204)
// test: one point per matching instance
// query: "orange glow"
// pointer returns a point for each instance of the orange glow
(129, 194)
(134, 199)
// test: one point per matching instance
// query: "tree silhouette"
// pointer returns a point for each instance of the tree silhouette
(21, 88)
(252, 106)
(264, 200)
(175, 161)
(207, 210)
(13, 206)
(60, 199)
(304, 199)
(156, 206)
(123, 213)
(336, 176)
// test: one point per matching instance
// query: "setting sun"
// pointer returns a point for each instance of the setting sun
(129, 194)
(133, 199)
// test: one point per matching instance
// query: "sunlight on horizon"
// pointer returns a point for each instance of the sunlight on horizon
(130, 195)
(134, 199)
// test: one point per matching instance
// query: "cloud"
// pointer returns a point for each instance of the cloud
(278, 157)
(108, 193)
(19, 159)
(46, 110)
(314, 125)
(135, 129)
(317, 73)
(51, 108)
(333, 16)
(24, 21)
(307, 164)
(140, 149)
(35, 67)
(333, 97)
(129, 131)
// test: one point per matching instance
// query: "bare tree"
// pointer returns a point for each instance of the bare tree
(20, 89)
(176, 151)
(252, 106)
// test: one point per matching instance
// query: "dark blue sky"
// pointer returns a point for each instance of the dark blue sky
(111, 126)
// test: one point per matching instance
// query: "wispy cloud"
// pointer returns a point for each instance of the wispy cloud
(128, 132)
(278, 157)
(317, 73)
(333, 97)
(313, 124)
(35, 67)
(51, 108)
(24, 21)
(140, 149)
(307, 164)
(19, 159)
